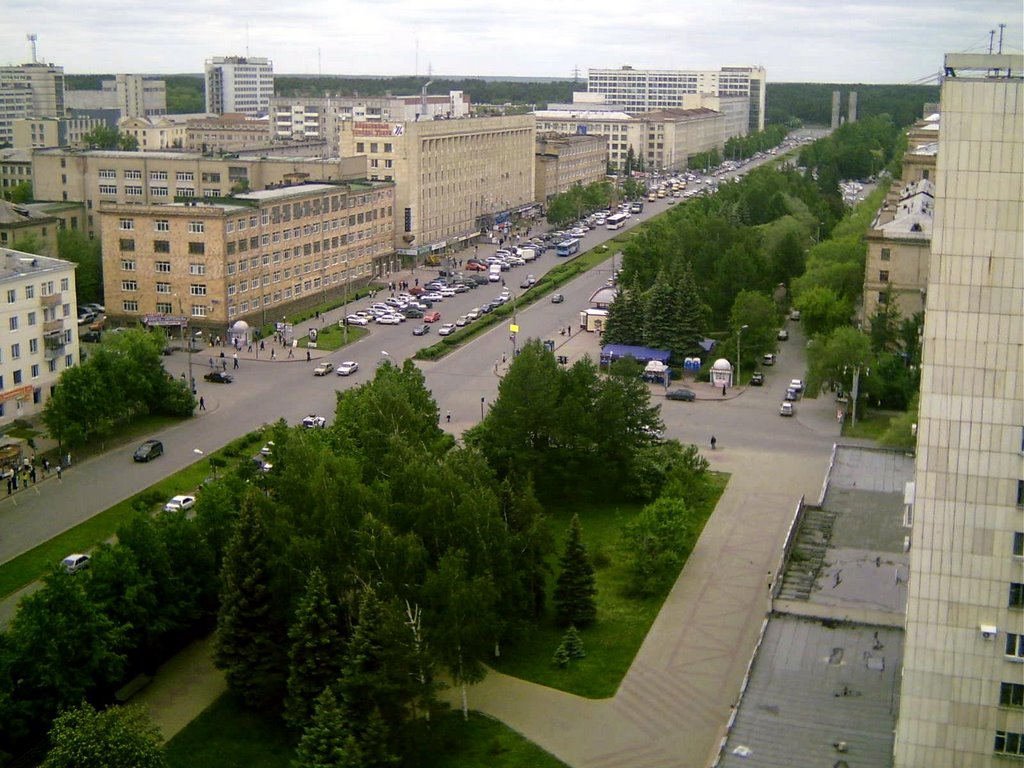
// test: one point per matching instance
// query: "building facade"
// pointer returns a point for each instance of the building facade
(29, 90)
(20, 224)
(663, 140)
(40, 132)
(563, 161)
(15, 168)
(453, 178)
(157, 134)
(239, 84)
(254, 257)
(108, 176)
(227, 133)
(40, 322)
(647, 90)
(130, 95)
(962, 697)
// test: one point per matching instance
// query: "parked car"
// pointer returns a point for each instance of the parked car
(179, 503)
(757, 379)
(782, 335)
(420, 330)
(314, 422)
(463, 321)
(446, 330)
(412, 312)
(431, 317)
(798, 385)
(684, 394)
(93, 337)
(557, 298)
(791, 394)
(324, 368)
(347, 368)
(75, 563)
(795, 315)
(768, 359)
(389, 320)
(786, 409)
(219, 377)
(148, 451)
(356, 320)
(474, 313)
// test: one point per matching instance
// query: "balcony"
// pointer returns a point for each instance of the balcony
(53, 345)
(53, 326)
(51, 300)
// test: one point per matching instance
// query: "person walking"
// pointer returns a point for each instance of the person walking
(308, 356)
(211, 363)
(202, 404)
(448, 417)
(273, 354)
(714, 442)
(60, 472)
(235, 366)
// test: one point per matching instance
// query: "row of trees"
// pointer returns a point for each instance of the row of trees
(811, 103)
(579, 201)
(120, 381)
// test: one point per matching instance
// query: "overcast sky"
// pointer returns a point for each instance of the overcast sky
(865, 41)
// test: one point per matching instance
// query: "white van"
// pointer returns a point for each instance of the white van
(527, 254)
(494, 275)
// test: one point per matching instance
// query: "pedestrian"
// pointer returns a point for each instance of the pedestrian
(67, 461)
(60, 472)
(714, 442)
(308, 356)
(224, 364)
(568, 330)
(46, 466)
(273, 354)
(503, 357)
(182, 375)
(211, 363)
(291, 352)
(448, 417)
(235, 366)
(723, 390)
(202, 404)
(250, 348)
(32, 474)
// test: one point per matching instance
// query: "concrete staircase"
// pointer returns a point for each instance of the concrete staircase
(808, 554)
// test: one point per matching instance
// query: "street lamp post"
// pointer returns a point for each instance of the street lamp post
(738, 333)
(482, 400)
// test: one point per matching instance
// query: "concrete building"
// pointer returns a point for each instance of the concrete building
(130, 95)
(663, 140)
(157, 134)
(317, 119)
(648, 90)
(228, 133)
(39, 317)
(109, 176)
(962, 699)
(40, 132)
(563, 161)
(239, 84)
(454, 178)
(29, 90)
(836, 119)
(20, 223)
(15, 168)
(254, 257)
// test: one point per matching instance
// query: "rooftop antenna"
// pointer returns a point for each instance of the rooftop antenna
(575, 74)
(32, 37)
(1001, 28)
(991, 36)
(247, 39)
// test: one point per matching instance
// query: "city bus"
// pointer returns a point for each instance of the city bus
(615, 221)
(568, 247)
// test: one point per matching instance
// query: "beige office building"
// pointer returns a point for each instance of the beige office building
(130, 95)
(15, 168)
(41, 132)
(564, 161)
(227, 133)
(29, 90)
(254, 257)
(663, 140)
(158, 133)
(108, 176)
(962, 697)
(453, 177)
(40, 320)
(21, 224)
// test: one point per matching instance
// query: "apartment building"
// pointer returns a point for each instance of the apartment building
(663, 140)
(648, 90)
(158, 133)
(453, 177)
(130, 95)
(255, 256)
(20, 224)
(227, 133)
(29, 90)
(962, 697)
(40, 322)
(563, 161)
(239, 84)
(109, 176)
(39, 132)
(15, 168)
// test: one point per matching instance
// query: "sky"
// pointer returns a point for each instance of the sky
(841, 41)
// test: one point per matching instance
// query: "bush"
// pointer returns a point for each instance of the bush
(657, 540)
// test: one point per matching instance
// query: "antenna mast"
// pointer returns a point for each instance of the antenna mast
(32, 37)
(1001, 28)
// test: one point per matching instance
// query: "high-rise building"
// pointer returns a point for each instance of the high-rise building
(962, 696)
(646, 90)
(239, 84)
(130, 95)
(29, 90)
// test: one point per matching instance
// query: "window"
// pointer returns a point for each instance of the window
(35, 375)
(108, 189)
(129, 285)
(164, 307)
(30, 291)
(15, 352)
(65, 284)
(158, 191)
(1020, 493)
(133, 189)
(197, 289)
(184, 176)
(198, 310)
(1014, 649)
(107, 173)
(1011, 694)
(163, 287)
(158, 175)
(195, 227)
(128, 265)
(161, 246)
(130, 306)
(31, 318)
(17, 376)
(883, 276)
(1016, 595)
(13, 322)
(127, 244)
(196, 269)
(69, 360)
(162, 225)
(1009, 743)
(163, 266)
(211, 177)
(133, 174)
(12, 296)
(126, 224)
(883, 297)
(196, 248)
(1018, 544)
(184, 192)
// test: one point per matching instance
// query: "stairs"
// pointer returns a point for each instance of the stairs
(808, 555)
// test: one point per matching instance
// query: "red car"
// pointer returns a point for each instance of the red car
(475, 266)
(416, 290)
(431, 317)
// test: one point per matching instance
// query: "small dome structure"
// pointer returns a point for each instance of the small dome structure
(721, 364)
(240, 326)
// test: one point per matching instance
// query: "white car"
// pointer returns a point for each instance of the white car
(324, 368)
(356, 320)
(389, 320)
(75, 563)
(314, 422)
(432, 296)
(446, 330)
(347, 368)
(447, 292)
(179, 503)
(463, 320)
(474, 313)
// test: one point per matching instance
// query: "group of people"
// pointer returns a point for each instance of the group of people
(25, 474)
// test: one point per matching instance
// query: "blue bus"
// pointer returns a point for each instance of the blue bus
(568, 247)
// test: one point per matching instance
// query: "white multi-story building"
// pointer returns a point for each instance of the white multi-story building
(130, 95)
(962, 696)
(646, 90)
(40, 326)
(239, 84)
(29, 90)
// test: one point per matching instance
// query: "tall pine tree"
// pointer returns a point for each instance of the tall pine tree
(327, 742)
(576, 588)
(316, 649)
(626, 316)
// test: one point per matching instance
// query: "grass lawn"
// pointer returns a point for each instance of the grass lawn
(870, 425)
(227, 736)
(34, 564)
(622, 621)
(331, 337)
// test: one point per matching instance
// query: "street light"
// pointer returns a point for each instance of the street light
(740, 331)
(482, 400)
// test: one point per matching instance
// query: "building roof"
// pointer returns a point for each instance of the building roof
(278, 193)
(16, 155)
(11, 214)
(914, 213)
(18, 264)
(643, 354)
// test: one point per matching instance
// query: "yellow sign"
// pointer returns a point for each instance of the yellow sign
(513, 328)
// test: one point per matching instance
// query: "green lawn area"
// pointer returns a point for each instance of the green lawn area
(622, 621)
(227, 736)
(870, 425)
(330, 337)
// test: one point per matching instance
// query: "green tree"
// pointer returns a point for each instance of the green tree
(117, 737)
(755, 313)
(315, 652)
(822, 311)
(75, 246)
(834, 358)
(30, 243)
(657, 541)
(20, 193)
(787, 258)
(576, 588)
(104, 137)
(327, 741)
(246, 645)
(625, 323)
(573, 642)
